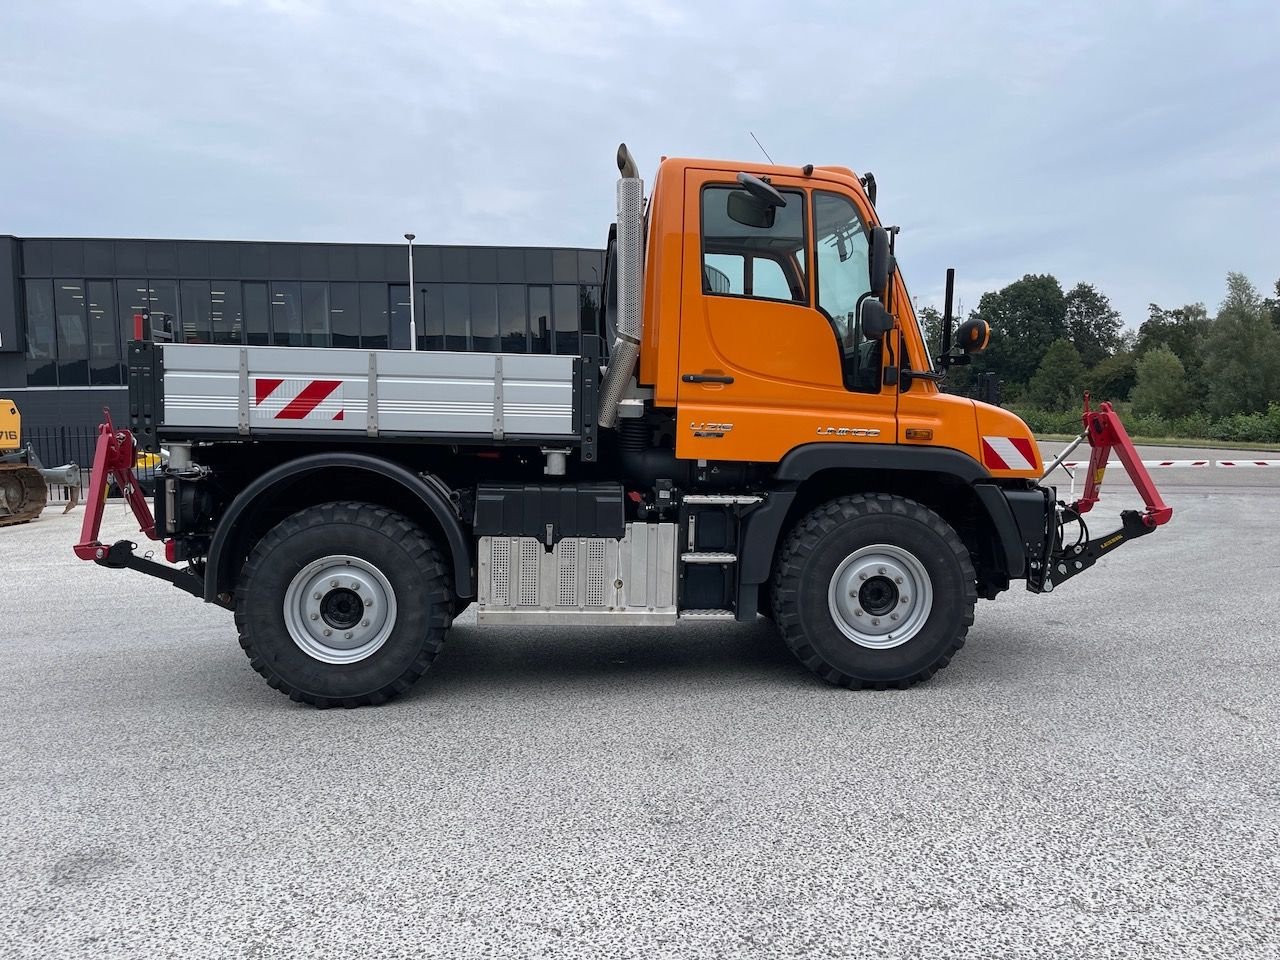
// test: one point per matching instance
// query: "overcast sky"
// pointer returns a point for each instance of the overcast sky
(1132, 145)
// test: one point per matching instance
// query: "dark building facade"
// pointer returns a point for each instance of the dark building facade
(67, 307)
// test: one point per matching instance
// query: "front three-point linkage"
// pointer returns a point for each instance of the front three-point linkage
(1105, 432)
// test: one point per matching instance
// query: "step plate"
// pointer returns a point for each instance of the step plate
(706, 615)
(708, 557)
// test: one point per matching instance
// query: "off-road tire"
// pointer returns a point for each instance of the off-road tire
(809, 558)
(391, 542)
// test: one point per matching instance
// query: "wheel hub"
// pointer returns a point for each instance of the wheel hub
(339, 609)
(880, 596)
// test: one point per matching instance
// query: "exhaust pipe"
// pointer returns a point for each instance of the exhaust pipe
(625, 350)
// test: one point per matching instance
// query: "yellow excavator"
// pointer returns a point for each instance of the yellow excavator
(24, 480)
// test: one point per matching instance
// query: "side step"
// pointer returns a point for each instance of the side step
(708, 556)
(722, 498)
(707, 615)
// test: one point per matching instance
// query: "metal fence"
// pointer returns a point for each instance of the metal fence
(58, 445)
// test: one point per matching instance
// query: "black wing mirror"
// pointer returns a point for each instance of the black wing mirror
(880, 262)
(874, 320)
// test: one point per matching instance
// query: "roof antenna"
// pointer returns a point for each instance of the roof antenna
(761, 146)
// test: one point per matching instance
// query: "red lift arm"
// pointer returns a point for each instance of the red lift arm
(1105, 432)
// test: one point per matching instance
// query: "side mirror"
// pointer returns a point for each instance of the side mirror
(764, 192)
(874, 320)
(973, 335)
(879, 262)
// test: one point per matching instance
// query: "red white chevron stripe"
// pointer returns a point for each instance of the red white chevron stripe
(1008, 453)
(278, 399)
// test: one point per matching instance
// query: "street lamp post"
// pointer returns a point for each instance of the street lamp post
(413, 317)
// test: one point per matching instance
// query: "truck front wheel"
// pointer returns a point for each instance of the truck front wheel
(874, 591)
(343, 604)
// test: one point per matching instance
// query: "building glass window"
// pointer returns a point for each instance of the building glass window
(42, 339)
(431, 328)
(457, 313)
(106, 364)
(484, 317)
(163, 297)
(196, 322)
(375, 323)
(226, 313)
(286, 314)
(132, 298)
(315, 314)
(513, 318)
(539, 319)
(73, 333)
(399, 294)
(565, 309)
(344, 314)
(589, 309)
(257, 317)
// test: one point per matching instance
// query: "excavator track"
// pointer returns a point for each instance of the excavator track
(23, 494)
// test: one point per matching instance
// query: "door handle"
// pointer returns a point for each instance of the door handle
(706, 378)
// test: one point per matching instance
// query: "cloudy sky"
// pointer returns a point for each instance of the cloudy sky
(1133, 145)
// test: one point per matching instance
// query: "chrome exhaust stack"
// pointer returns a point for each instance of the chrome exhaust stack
(624, 352)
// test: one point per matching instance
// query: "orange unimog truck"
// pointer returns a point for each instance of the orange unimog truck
(757, 430)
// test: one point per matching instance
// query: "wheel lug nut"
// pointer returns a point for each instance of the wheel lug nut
(862, 576)
(893, 616)
(364, 623)
(369, 602)
(355, 585)
(875, 622)
(857, 613)
(315, 616)
(348, 636)
(904, 599)
(333, 583)
(897, 579)
(315, 596)
(327, 632)
(880, 571)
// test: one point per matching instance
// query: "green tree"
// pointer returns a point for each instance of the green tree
(1114, 377)
(930, 319)
(1093, 325)
(1273, 307)
(1183, 330)
(1242, 353)
(1161, 388)
(1026, 317)
(1058, 384)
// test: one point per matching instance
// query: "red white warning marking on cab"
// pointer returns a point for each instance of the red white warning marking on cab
(1008, 453)
(303, 400)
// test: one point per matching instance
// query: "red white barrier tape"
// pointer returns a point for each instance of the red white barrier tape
(1073, 464)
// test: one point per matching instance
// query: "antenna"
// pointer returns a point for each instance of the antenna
(761, 146)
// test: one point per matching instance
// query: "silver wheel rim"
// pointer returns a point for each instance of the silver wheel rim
(339, 609)
(880, 596)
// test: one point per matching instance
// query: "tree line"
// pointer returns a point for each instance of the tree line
(1182, 373)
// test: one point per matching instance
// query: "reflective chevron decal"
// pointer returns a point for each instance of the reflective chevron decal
(276, 398)
(1008, 453)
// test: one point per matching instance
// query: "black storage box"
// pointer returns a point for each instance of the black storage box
(570, 510)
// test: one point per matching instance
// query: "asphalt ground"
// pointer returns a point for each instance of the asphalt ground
(1096, 774)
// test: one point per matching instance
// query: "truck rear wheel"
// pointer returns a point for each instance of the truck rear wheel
(874, 591)
(343, 604)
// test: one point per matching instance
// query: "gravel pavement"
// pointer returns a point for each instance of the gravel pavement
(1095, 775)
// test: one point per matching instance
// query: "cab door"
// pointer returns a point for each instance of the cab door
(770, 352)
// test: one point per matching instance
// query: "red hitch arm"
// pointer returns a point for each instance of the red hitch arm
(1105, 432)
(112, 458)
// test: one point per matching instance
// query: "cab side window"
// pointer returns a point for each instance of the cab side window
(750, 250)
(843, 282)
